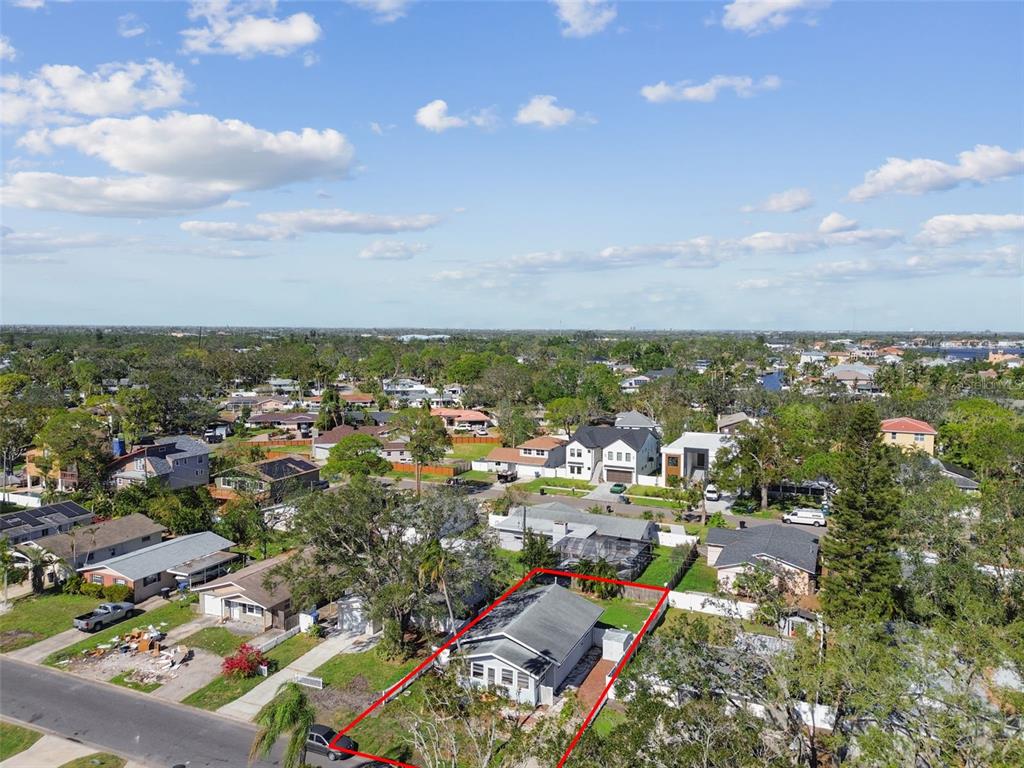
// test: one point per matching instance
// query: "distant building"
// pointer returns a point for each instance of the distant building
(909, 433)
(177, 462)
(791, 554)
(269, 480)
(29, 524)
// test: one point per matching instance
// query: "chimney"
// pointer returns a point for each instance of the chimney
(559, 530)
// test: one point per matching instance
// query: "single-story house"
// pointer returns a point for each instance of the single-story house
(185, 560)
(454, 417)
(964, 479)
(611, 454)
(907, 433)
(856, 377)
(323, 442)
(636, 420)
(270, 480)
(242, 596)
(357, 398)
(528, 644)
(97, 542)
(790, 553)
(178, 462)
(729, 423)
(28, 524)
(532, 457)
(295, 422)
(691, 457)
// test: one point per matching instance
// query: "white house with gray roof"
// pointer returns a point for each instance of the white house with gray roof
(528, 644)
(611, 454)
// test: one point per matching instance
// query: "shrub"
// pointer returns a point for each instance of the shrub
(316, 630)
(92, 590)
(245, 662)
(717, 520)
(73, 585)
(116, 593)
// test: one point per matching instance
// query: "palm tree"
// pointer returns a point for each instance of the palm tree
(437, 564)
(605, 570)
(290, 714)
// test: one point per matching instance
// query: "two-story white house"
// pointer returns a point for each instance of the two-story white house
(611, 454)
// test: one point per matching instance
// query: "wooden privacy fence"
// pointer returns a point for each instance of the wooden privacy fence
(307, 442)
(475, 440)
(445, 470)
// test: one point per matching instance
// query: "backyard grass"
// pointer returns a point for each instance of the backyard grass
(377, 673)
(608, 720)
(125, 681)
(227, 689)
(96, 760)
(426, 477)
(622, 613)
(32, 619)
(15, 739)
(701, 577)
(663, 567)
(279, 542)
(476, 474)
(216, 640)
(510, 569)
(471, 451)
(165, 617)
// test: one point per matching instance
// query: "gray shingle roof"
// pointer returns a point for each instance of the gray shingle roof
(513, 653)
(778, 542)
(90, 538)
(600, 437)
(549, 620)
(607, 525)
(166, 554)
(634, 420)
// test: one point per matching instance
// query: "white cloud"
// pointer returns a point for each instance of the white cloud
(130, 25)
(21, 243)
(7, 51)
(1006, 261)
(836, 222)
(309, 59)
(542, 111)
(952, 228)
(58, 91)
(384, 11)
(31, 5)
(229, 230)
(338, 220)
(246, 29)
(980, 165)
(783, 202)
(743, 86)
(486, 118)
(434, 117)
(758, 16)
(137, 196)
(226, 155)
(806, 242)
(582, 18)
(391, 250)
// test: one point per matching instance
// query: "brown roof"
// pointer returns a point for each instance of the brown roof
(249, 582)
(513, 455)
(356, 397)
(459, 414)
(96, 536)
(332, 436)
(544, 442)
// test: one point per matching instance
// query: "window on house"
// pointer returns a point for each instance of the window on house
(506, 677)
(527, 451)
(151, 579)
(608, 455)
(252, 610)
(522, 681)
(121, 582)
(146, 538)
(918, 438)
(618, 455)
(629, 457)
(140, 464)
(476, 670)
(96, 578)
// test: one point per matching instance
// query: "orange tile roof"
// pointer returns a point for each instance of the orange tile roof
(459, 414)
(512, 455)
(905, 424)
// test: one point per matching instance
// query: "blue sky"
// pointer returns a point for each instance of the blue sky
(793, 165)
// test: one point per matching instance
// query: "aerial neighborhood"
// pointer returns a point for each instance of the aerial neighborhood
(294, 522)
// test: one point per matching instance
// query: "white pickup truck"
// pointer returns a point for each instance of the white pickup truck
(104, 615)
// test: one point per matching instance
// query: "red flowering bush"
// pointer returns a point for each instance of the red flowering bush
(245, 662)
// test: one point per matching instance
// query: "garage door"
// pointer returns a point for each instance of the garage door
(618, 476)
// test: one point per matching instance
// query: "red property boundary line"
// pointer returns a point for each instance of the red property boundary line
(528, 577)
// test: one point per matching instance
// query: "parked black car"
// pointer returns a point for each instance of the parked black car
(319, 740)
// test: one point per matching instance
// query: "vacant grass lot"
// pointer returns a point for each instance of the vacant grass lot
(476, 474)
(377, 673)
(471, 451)
(700, 578)
(125, 681)
(215, 640)
(165, 617)
(547, 483)
(227, 689)
(32, 619)
(15, 739)
(96, 760)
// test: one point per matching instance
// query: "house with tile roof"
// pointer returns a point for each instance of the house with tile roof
(909, 434)
(527, 645)
(788, 552)
(177, 461)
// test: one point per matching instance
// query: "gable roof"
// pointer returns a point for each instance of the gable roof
(729, 419)
(61, 514)
(908, 425)
(540, 517)
(634, 420)
(600, 437)
(274, 469)
(784, 543)
(108, 533)
(549, 620)
(249, 582)
(164, 555)
(161, 450)
(543, 442)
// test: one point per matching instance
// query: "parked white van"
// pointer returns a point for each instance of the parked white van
(806, 516)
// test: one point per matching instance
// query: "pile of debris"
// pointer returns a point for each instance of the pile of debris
(136, 641)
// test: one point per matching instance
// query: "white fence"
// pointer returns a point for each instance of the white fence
(310, 682)
(716, 606)
(22, 499)
(676, 539)
(276, 641)
(651, 480)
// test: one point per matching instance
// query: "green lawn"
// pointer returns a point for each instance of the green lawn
(124, 680)
(426, 477)
(378, 673)
(216, 640)
(15, 739)
(622, 613)
(32, 619)
(476, 474)
(510, 569)
(548, 483)
(96, 760)
(279, 542)
(471, 451)
(173, 614)
(608, 719)
(660, 503)
(663, 567)
(227, 689)
(700, 578)
(647, 490)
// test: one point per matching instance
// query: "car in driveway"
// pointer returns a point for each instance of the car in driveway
(806, 516)
(618, 488)
(711, 493)
(319, 740)
(104, 615)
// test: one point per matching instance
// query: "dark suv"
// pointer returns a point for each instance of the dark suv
(319, 740)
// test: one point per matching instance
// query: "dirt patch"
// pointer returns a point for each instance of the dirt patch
(16, 636)
(355, 695)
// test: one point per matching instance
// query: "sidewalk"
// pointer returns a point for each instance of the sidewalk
(52, 751)
(246, 707)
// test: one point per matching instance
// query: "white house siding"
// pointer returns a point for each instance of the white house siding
(562, 671)
(495, 666)
(578, 456)
(211, 605)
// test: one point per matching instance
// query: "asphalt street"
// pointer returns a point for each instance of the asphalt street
(135, 726)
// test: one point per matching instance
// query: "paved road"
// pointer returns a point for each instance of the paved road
(153, 732)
